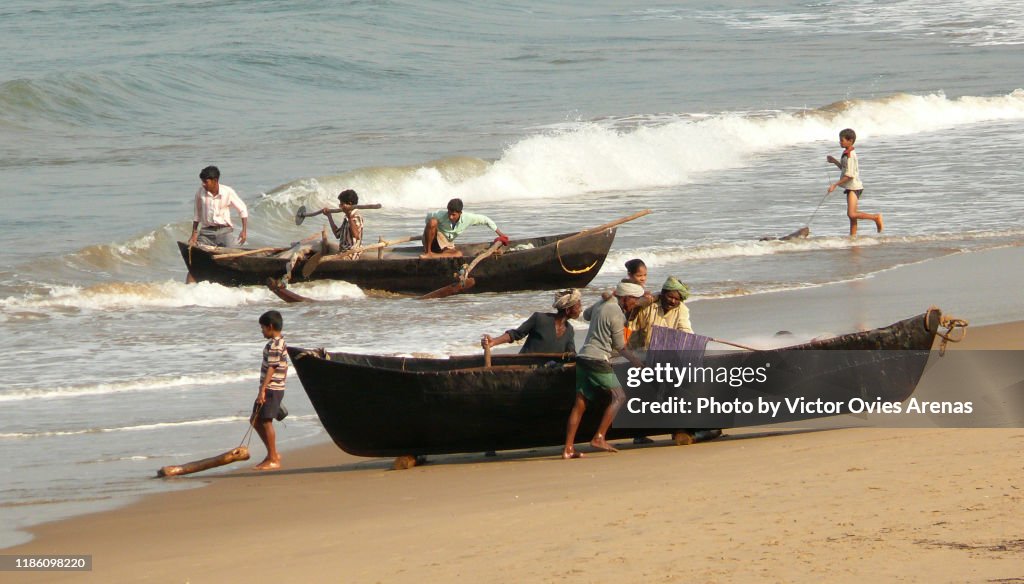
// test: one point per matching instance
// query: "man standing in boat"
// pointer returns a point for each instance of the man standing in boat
(594, 374)
(211, 216)
(444, 225)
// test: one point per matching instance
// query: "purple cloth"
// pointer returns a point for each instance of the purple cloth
(691, 347)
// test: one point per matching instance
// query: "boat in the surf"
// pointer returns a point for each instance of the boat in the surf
(569, 260)
(374, 405)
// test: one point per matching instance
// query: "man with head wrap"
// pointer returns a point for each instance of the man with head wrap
(545, 332)
(594, 375)
(668, 311)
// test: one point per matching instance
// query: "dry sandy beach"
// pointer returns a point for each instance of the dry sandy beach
(758, 505)
(761, 505)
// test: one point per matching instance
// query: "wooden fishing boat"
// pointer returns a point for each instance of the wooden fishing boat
(402, 406)
(537, 263)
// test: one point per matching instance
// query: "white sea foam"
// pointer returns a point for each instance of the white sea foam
(567, 160)
(573, 159)
(961, 22)
(167, 294)
(663, 255)
(136, 428)
(135, 385)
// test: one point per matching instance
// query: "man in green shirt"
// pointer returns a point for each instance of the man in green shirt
(595, 377)
(444, 225)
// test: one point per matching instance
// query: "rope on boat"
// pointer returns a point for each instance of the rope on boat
(558, 253)
(956, 330)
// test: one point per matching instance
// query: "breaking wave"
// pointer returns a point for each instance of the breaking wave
(167, 294)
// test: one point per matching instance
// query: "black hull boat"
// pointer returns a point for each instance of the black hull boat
(540, 263)
(407, 407)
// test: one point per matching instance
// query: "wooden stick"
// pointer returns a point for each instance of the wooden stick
(249, 252)
(487, 356)
(608, 225)
(302, 215)
(464, 282)
(382, 244)
(240, 453)
(737, 345)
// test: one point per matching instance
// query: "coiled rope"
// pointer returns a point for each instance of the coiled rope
(956, 329)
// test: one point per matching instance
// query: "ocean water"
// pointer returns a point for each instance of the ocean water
(546, 117)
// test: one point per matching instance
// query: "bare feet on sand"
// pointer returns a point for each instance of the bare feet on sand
(878, 223)
(601, 444)
(268, 465)
(570, 453)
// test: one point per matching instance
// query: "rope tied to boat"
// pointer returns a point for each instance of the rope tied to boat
(956, 330)
(567, 270)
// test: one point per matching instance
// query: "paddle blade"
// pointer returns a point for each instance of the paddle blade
(449, 290)
(311, 264)
(284, 293)
(300, 215)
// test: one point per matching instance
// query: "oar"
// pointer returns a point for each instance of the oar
(284, 293)
(314, 260)
(301, 214)
(608, 225)
(464, 282)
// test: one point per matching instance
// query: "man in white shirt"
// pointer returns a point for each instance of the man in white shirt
(211, 220)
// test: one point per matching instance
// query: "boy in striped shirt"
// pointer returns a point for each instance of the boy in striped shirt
(273, 373)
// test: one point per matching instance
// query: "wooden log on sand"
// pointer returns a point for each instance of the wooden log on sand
(408, 461)
(234, 455)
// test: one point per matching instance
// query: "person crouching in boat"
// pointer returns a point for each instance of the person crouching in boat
(444, 225)
(594, 374)
(545, 332)
(349, 234)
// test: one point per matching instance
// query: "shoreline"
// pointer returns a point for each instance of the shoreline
(350, 514)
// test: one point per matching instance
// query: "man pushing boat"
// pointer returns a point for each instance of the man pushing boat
(594, 374)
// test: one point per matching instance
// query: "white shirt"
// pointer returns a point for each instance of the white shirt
(214, 210)
(851, 168)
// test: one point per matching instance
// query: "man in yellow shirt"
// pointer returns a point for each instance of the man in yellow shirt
(668, 310)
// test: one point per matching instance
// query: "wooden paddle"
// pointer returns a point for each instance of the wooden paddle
(314, 260)
(301, 214)
(464, 282)
(284, 293)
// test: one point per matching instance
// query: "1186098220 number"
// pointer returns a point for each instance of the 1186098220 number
(47, 562)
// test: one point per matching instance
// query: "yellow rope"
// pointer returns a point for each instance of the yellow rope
(558, 253)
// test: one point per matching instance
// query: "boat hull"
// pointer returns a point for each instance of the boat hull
(546, 263)
(395, 406)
